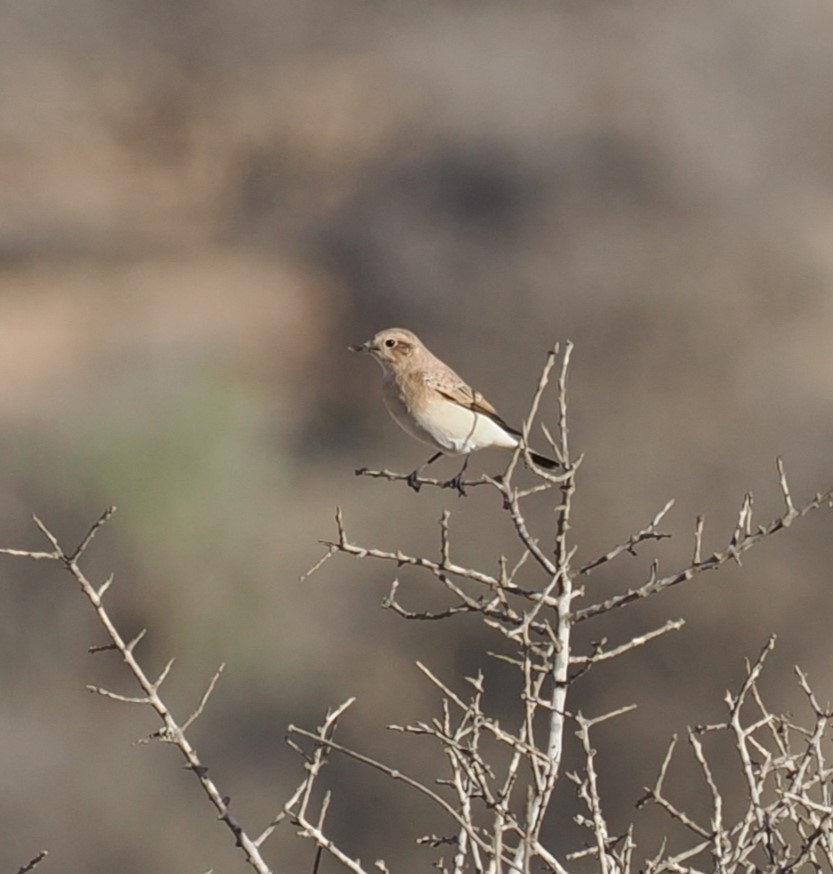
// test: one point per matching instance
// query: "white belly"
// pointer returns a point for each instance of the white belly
(449, 427)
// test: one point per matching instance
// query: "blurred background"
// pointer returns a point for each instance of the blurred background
(202, 204)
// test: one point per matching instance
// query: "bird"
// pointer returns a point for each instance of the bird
(429, 401)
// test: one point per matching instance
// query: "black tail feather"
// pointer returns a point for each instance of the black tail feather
(543, 461)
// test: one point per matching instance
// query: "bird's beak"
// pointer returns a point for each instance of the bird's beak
(364, 347)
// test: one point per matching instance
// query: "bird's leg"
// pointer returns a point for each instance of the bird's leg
(457, 482)
(413, 476)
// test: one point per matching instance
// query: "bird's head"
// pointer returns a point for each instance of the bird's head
(392, 347)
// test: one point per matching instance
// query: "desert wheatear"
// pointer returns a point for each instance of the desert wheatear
(432, 403)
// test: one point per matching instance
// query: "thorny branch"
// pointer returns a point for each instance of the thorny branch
(788, 819)
(743, 539)
(33, 863)
(171, 731)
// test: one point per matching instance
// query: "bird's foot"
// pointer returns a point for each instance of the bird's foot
(413, 480)
(456, 483)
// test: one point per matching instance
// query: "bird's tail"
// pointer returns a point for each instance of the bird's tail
(543, 461)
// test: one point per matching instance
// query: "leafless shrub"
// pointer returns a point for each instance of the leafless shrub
(496, 815)
(496, 806)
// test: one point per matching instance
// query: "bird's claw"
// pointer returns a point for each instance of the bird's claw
(456, 483)
(413, 480)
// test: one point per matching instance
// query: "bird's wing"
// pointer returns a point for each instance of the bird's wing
(451, 386)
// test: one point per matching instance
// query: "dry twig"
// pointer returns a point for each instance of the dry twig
(171, 731)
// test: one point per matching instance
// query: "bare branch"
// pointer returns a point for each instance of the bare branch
(698, 541)
(331, 551)
(30, 865)
(393, 476)
(785, 489)
(649, 532)
(204, 700)
(741, 542)
(395, 774)
(115, 696)
(82, 546)
(601, 654)
(170, 731)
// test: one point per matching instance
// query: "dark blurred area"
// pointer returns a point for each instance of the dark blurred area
(203, 204)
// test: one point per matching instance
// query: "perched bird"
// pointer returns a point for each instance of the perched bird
(432, 403)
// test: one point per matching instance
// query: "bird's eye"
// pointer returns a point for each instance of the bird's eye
(390, 342)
